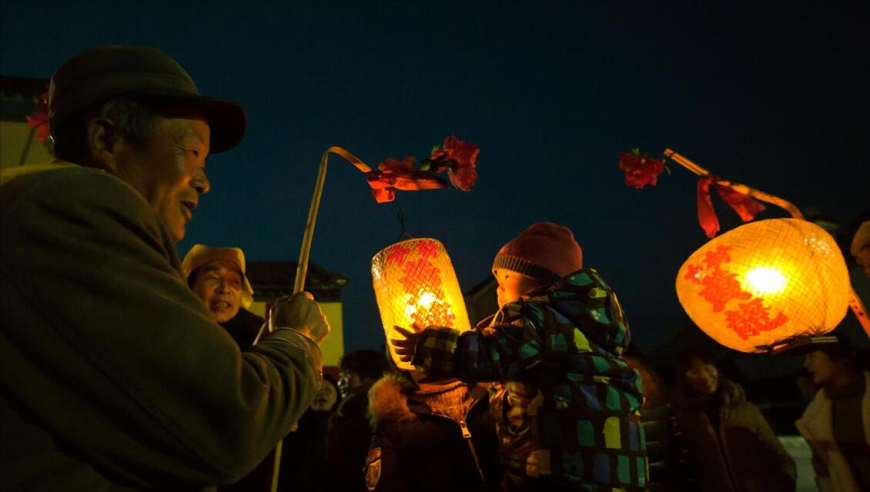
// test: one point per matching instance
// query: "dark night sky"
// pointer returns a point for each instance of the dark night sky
(770, 94)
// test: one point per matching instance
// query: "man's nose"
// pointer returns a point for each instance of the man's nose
(200, 182)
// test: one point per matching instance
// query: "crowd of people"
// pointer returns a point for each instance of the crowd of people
(127, 368)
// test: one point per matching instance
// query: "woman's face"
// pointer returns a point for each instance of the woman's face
(822, 369)
(325, 398)
(702, 377)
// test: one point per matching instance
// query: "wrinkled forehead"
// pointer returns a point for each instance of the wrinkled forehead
(221, 267)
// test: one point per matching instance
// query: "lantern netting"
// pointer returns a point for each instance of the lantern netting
(416, 287)
(765, 283)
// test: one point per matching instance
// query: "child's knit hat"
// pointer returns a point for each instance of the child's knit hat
(545, 252)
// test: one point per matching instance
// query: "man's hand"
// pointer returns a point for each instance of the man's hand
(405, 346)
(299, 312)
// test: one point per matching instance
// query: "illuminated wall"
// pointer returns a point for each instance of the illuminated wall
(333, 347)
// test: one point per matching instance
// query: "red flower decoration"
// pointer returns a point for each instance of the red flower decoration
(639, 170)
(392, 175)
(458, 158)
(39, 118)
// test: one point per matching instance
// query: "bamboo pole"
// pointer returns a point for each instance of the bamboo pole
(304, 255)
(854, 301)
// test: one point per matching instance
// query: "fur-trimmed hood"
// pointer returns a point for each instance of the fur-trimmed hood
(388, 400)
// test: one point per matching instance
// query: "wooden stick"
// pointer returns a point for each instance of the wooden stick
(304, 255)
(854, 301)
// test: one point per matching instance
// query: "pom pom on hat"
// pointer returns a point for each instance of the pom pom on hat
(545, 252)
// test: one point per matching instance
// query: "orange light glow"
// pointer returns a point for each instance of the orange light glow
(764, 283)
(416, 287)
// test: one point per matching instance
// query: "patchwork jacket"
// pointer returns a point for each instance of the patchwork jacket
(566, 404)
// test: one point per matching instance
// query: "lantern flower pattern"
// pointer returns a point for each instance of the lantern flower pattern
(766, 283)
(416, 287)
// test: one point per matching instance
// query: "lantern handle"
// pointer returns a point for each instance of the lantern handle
(738, 187)
(308, 237)
(854, 301)
(304, 254)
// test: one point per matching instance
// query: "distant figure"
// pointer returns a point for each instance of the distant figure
(217, 276)
(836, 424)
(349, 431)
(861, 247)
(668, 471)
(727, 436)
(303, 459)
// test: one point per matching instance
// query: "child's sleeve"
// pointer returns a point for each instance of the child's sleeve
(503, 353)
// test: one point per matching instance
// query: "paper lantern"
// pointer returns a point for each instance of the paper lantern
(415, 286)
(766, 283)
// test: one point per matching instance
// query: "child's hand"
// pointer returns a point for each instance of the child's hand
(405, 346)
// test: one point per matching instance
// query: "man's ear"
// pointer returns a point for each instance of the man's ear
(104, 143)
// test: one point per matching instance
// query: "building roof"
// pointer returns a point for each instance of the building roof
(19, 96)
(273, 279)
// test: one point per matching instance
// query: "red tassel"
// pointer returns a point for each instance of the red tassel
(745, 206)
(706, 215)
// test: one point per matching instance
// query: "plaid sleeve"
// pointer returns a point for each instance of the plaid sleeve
(435, 351)
(504, 352)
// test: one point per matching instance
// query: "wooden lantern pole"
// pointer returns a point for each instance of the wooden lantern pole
(854, 301)
(304, 254)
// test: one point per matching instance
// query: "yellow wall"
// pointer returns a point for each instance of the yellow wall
(13, 137)
(333, 347)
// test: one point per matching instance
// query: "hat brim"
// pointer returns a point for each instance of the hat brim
(227, 120)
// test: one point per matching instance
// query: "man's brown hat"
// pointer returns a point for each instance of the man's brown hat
(102, 72)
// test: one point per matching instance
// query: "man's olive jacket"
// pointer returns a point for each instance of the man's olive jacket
(114, 377)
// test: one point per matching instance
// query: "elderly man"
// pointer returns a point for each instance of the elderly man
(861, 247)
(114, 374)
(217, 276)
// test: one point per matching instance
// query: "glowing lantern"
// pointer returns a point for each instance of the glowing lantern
(416, 287)
(766, 283)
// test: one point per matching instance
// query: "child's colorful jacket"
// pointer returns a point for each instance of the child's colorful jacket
(567, 408)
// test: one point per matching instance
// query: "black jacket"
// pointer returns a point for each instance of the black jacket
(417, 449)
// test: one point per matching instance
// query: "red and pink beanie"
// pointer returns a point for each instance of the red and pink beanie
(545, 252)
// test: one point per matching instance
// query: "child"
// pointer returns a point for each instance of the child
(566, 408)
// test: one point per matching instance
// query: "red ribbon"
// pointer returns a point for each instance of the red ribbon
(745, 206)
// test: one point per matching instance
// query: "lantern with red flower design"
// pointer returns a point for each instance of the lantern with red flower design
(416, 287)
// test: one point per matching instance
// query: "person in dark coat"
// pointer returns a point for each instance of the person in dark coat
(115, 376)
(726, 435)
(349, 433)
(668, 471)
(431, 436)
(303, 461)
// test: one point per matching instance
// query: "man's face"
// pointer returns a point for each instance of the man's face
(219, 285)
(822, 369)
(702, 377)
(325, 398)
(864, 260)
(348, 382)
(170, 172)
